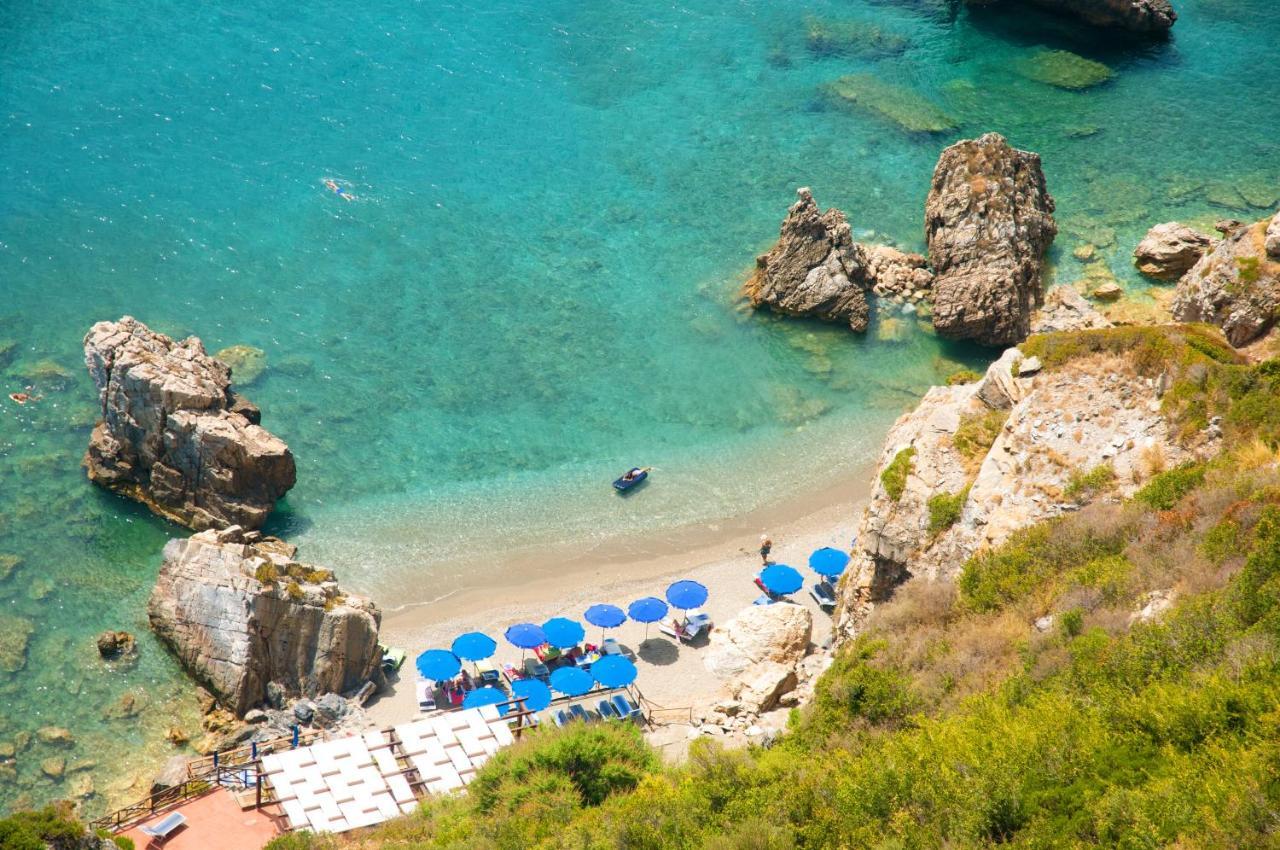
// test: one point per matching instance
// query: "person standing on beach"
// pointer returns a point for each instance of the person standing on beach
(766, 546)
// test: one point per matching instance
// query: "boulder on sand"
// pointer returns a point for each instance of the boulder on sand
(988, 222)
(172, 434)
(757, 652)
(815, 269)
(1169, 250)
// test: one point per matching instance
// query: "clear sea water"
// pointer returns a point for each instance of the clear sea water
(536, 284)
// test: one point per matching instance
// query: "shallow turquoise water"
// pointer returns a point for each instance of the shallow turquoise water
(536, 284)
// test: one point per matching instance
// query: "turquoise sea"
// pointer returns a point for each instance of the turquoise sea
(535, 286)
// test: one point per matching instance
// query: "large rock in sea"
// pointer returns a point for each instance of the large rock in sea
(988, 222)
(1146, 16)
(815, 269)
(240, 612)
(1169, 250)
(1236, 286)
(174, 436)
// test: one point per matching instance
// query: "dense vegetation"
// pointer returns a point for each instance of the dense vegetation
(1044, 700)
(51, 827)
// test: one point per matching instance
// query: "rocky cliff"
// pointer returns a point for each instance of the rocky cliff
(1236, 285)
(988, 222)
(174, 436)
(971, 464)
(241, 614)
(815, 269)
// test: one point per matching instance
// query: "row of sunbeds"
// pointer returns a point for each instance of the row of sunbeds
(618, 707)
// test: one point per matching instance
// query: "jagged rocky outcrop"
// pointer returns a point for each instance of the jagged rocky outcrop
(174, 436)
(757, 654)
(246, 619)
(1065, 309)
(1236, 286)
(1146, 16)
(815, 269)
(898, 275)
(988, 222)
(1169, 250)
(983, 460)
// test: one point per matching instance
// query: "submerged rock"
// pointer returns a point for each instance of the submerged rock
(988, 222)
(902, 106)
(815, 269)
(1064, 69)
(1169, 250)
(852, 38)
(1065, 309)
(169, 437)
(1236, 286)
(115, 645)
(8, 563)
(246, 362)
(15, 633)
(240, 614)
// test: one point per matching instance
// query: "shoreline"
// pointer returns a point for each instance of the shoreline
(563, 580)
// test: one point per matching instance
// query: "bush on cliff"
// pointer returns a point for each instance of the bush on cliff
(894, 476)
(51, 827)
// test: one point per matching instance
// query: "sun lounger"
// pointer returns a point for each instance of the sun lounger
(610, 646)
(676, 631)
(627, 709)
(426, 695)
(697, 623)
(579, 713)
(547, 652)
(824, 594)
(163, 828)
(607, 711)
(535, 669)
(561, 718)
(489, 674)
(511, 673)
(764, 600)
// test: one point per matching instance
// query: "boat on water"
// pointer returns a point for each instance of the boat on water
(631, 478)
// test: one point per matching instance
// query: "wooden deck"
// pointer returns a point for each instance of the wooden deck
(216, 820)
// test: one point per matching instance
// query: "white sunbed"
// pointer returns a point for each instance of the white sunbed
(166, 826)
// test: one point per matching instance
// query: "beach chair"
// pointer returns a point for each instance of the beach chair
(489, 674)
(535, 669)
(426, 695)
(764, 600)
(511, 673)
(580, 713)
(627, 709)
(607, 710)
(675, 630)
(824, 594)
(163, 828)
(561, 718)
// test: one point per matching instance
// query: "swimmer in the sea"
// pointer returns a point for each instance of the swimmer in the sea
(333, 186)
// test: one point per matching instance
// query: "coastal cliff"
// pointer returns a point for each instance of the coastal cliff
(246, 619)
(1235, 284)
(174, 436)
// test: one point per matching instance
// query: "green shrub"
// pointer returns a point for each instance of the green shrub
(963, 376)
(303, 840)
(294, 590)
(1088, 483)
(123, 842)
(894, 477)
(1072, 623)
(36, 830)
(976, 434)
(1165, 490)
(944, 510)
(1249, 269)
(266, 573)
(1110, 575)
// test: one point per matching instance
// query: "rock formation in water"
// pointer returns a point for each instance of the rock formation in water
(815, 269)
(1236, 286)
(1147, 16)
(898, 275)
(973, 463)
(1169, 250)
(988, 222)
(174, 436)
(246, 620)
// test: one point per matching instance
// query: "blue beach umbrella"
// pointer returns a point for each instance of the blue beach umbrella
(526, 635)
(648, 610)
(571, 681)
(781, 579)
(614, 671)
(486, 696)
(438, 664)
(563, 632)
(605, 616)
(537, 696)
(474, 646)
(828, 562)
(686, 594)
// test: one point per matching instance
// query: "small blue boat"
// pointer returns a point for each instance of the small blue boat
(631, 478)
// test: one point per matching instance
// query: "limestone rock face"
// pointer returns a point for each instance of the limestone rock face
(815, 269)
(1236, 286)
(1169, 250)
(988, 222)
(174, 437)
(1148, 16)
(1065, 309)
(757, 652)
(896, 273)
(240, 613)
(1272, 242)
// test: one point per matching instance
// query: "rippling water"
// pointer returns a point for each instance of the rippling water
(535, 284)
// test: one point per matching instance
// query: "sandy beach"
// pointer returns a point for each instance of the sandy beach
(533, 586)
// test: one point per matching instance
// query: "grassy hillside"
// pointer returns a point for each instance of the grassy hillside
(1024, 706)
